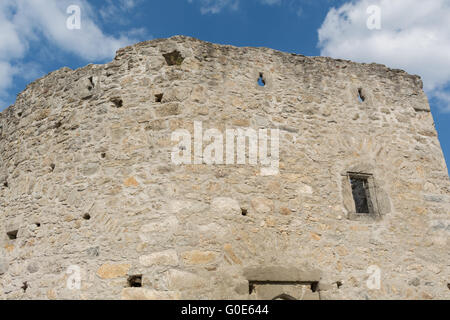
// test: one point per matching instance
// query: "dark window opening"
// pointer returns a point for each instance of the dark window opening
(173, 58)
(244, 211)
(361, 97)
(12, 235)
(5, 184)
(261, 80)
(314, 285)
(361, 193)
(86, 216)
(135, 281)
(52, 167)
(103, 155)
(37, 224)
(159, 97)
(25, 286)
(287, 290)
(338, 284)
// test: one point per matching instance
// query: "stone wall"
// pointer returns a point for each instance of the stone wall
(87, 181)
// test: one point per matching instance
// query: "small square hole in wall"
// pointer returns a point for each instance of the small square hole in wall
(118, 103)
(159, 97)
(135, 281)
(363, 192)
(173, 58)
(12, 235)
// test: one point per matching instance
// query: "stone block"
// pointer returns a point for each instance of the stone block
(112, 270)
(199, 257)
(148, 294)
(163, 258)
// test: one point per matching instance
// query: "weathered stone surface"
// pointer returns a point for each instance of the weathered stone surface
(111, 271)
(164, 258)
(148, 294)
(3, 266)
(199, 257)
(160, 231)
(225, 206)
(87, 181)
(228, 248)
(32, 267)
(282, 273)
(305, 189)
(181, 280)
(262, 205)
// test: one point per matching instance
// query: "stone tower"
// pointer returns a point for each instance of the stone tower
(93, 204)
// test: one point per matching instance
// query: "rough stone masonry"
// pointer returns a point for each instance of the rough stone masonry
(93, 208)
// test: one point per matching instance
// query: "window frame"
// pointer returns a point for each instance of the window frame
(372, 201)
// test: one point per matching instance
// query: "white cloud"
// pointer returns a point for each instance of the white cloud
(414, 36)
(216, 6)
(25, 24)
(7, 72)
(114, 10)
(128, 4)
(444, 99)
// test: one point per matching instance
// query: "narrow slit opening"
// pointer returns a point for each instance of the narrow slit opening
(361, 97)
(261, 81)
(92, 86)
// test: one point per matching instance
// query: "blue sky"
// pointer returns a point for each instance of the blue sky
(414, 35)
